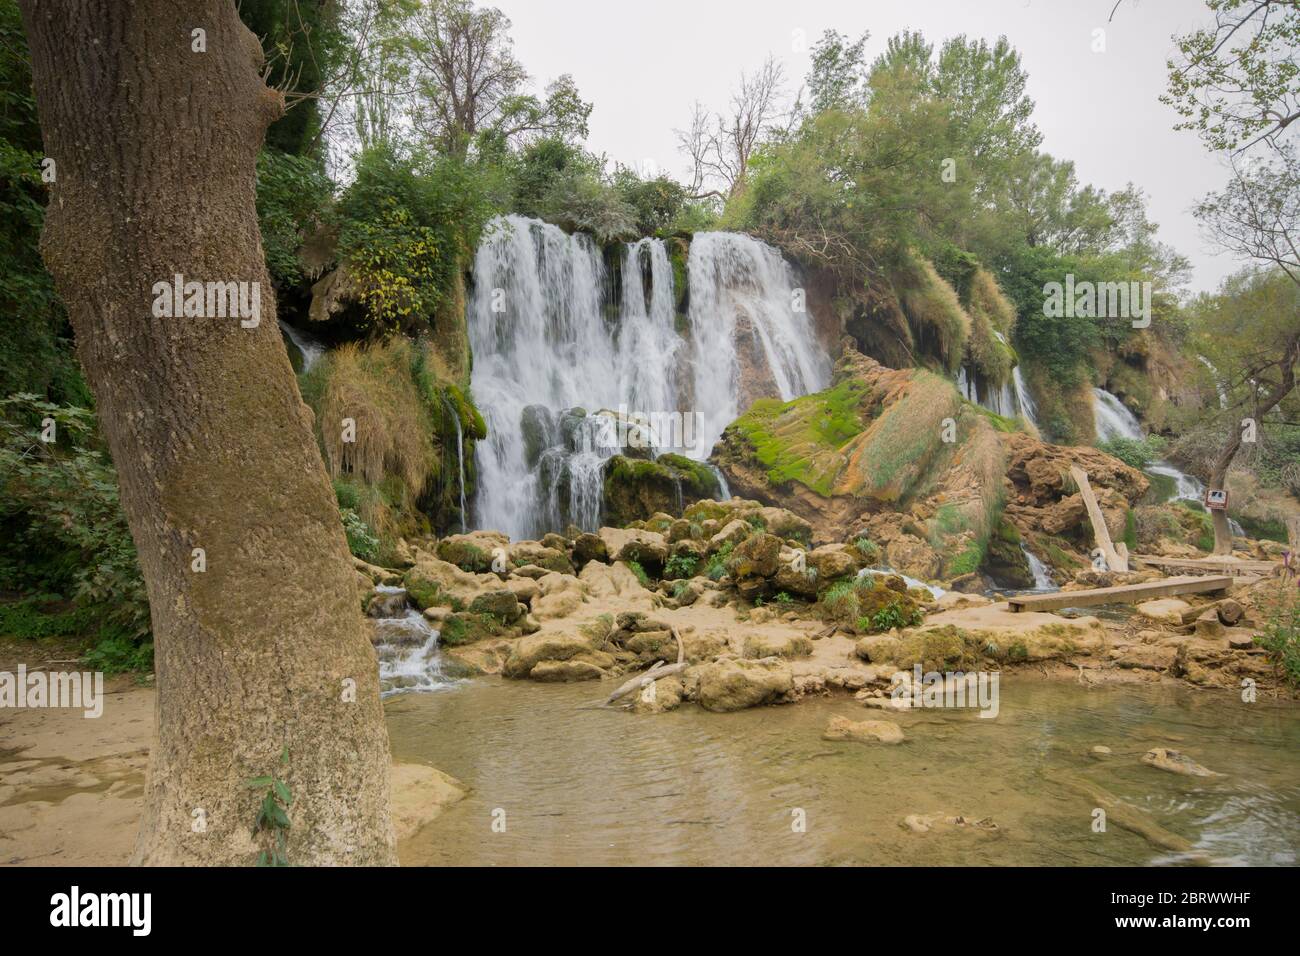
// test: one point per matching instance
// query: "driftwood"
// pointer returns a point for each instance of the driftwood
(657, 670)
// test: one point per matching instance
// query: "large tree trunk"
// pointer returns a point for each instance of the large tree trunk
(155, 146)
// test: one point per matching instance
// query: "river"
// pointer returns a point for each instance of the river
(579, 786)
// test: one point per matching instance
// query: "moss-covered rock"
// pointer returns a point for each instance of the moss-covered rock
(636, 490)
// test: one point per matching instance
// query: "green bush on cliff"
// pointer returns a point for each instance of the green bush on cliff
(680, 566)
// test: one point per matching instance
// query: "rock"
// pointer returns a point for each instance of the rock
(910, 555)
(757, 556)
(502, 605)
(1164, 611)
(777, 645)
(1176, 762)
(472, 552)
(863, 731)
(419, 795)
(387, 604)
(589, 547)
(436, 614)
(1100, 751)
(877, 648)
(733, 532)
(659, 696)
(1241, 640)
(528, 652)
(919, 823)
(525, 590)
(727, 685)
(543, 556)
(565, 671)
(648, 548)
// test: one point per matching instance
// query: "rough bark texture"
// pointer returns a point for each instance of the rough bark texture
(156, 147)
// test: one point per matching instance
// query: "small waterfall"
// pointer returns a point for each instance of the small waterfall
(1042, 577)
(460, 456)
(1113, 418)
(724, 491)
(560, 339)
(1218, 384)
(407, 648)
(310, 349)
(1026, 402)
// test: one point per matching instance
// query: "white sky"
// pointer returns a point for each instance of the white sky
(644, 62)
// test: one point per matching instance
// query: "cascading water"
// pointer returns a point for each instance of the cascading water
(1026, 402)
(407, 648)
(454, 414)
(310, 349)
(558, 359)
(1114, 420)
(743, 325)
(1042, 577)
(1010, 400)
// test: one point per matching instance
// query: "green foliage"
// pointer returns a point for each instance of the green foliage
(717, 566)
(680, 566)
(362, 541)
(1135, 452)
(35, 339)
(406, 225)
(640, 572)
(293, 193)
(869, 550)
(1281, 633)
(272, 822)
(62, 530)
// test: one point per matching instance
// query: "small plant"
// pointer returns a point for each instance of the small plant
(681, 566)
(783, 599)
(717, 567)
(1281, 632)
(362, 542)
(680, 590)
(640, 573)
(868, 549)
(273, 816)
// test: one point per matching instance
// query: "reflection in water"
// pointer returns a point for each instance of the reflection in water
(583, 786)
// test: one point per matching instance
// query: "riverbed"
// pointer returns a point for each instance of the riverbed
(553, 783)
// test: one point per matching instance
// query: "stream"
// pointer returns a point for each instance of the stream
(580, 786)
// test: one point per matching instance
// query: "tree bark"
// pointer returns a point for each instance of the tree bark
(155, 145)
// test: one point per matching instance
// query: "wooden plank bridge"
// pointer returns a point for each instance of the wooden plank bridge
(1122, 594)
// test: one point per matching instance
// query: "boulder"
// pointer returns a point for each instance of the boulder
(757, 556)
(877, 648)
(633, 544)
(733, 532)
(530, 651)
(473, 552)
(777, 645)
(727, 685)
(863, 731)
(1164, 611)
(589, 547)
(501, 604)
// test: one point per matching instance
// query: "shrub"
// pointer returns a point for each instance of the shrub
(362, 542)
(1281, 633)
(680, 566)
(62, 529)
(1134, 452)
(641, 576)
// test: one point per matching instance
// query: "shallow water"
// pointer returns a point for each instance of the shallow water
(584, 786)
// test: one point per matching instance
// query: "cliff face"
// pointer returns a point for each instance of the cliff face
(897, 457)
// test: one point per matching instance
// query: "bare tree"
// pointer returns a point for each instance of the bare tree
(721, 147)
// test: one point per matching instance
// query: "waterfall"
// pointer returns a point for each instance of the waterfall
(743, 325)
(1026, 402)
(310, 349)
(1042, 577)
(407, 648)
(568, 344)
(460, 463)
(1113, 418)
(1218, 384)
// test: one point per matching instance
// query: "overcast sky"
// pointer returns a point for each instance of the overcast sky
(644, 62)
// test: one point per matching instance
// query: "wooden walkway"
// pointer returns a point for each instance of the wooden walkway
(1123, 594)
(1209, 565)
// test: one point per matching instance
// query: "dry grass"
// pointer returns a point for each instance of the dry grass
(986, 298)
(373, 386)
(934, 311)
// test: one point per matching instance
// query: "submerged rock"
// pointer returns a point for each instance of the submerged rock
(1163, 758)
(863, 731)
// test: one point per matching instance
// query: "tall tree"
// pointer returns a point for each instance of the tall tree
(154, 112)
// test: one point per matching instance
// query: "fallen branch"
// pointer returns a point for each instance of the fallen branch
(657, 670)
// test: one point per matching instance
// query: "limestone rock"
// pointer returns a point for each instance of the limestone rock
(863, 731)
(727, 685)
